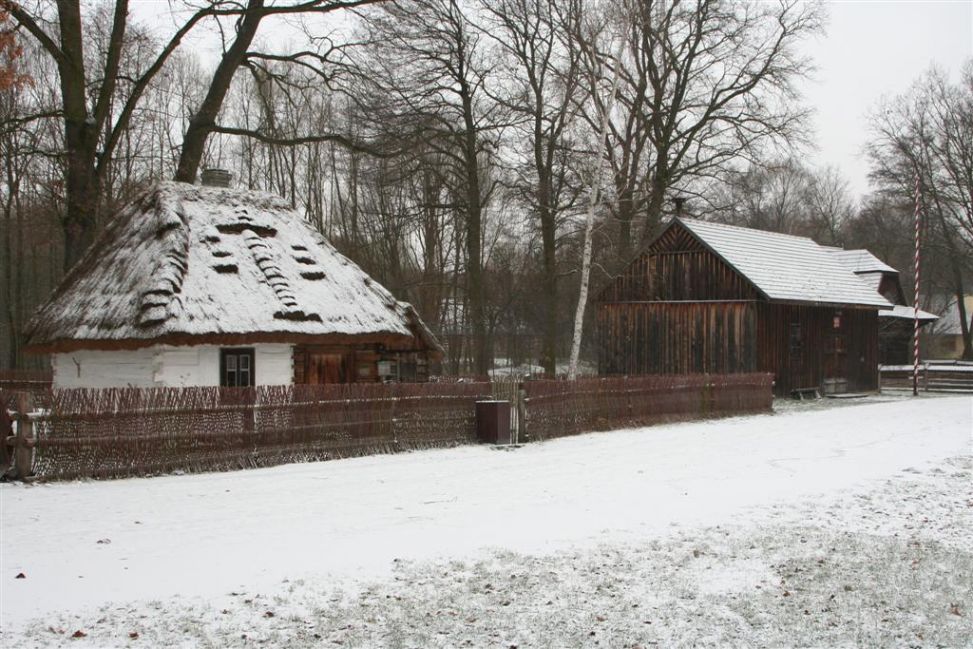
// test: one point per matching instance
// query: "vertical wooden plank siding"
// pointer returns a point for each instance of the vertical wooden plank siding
(849, 352)
(679, 309)
(678, 275)
(693, 275)
(677, 337)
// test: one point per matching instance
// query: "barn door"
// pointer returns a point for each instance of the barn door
(795, 356)
(835, 349)
(326, 368)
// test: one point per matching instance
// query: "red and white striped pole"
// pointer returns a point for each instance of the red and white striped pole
(915, 301)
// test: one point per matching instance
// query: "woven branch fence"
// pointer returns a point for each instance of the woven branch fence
(118, 432)
(130, 431)
(561, 408)
(34, 383)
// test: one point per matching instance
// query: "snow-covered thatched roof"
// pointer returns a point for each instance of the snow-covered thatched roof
(784, 267)
(183, 264)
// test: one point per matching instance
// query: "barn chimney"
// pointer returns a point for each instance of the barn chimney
(679, 201)
(212, 177)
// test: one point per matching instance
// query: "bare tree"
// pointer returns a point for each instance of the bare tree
(10, 51)
(928, 132)
(541, 90)
(829, 206)
(705, 83)
(97, 100)
(428, 85)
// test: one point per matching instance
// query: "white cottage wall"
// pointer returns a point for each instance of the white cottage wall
(165, 366)
(275, 364)
(181, 367)
(104, 369)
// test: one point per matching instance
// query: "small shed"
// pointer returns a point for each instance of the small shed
(207, 286)
(946, 341)
(896, 325)
(711, 298)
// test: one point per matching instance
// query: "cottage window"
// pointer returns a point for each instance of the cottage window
(237, 368)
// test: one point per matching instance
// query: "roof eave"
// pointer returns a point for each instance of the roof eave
(835, 305)
(67, 345)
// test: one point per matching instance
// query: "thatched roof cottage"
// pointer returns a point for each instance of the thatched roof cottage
(205, 286)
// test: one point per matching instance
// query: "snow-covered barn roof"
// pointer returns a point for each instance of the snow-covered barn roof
(785, 267)
(861, 261)
(903, 312)
(870, 270)
(185, 263)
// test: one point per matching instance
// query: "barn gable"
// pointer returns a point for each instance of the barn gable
(678, 266)
(698, 260)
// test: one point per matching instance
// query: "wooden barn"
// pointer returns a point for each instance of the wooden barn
(895, 325)
(208, 286)
(711, 298)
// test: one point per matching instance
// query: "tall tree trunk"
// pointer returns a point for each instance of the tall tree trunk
(549, 260)
(80, 138)
(474, 273)
(626, 215)
(654, 207)
(9, 264)
(482, 355)
(202, 123)
(590, 223)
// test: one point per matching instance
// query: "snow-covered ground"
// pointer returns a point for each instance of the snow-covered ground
(816, 526)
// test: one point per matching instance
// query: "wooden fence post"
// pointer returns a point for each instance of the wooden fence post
(6, 436)
(24, 443)
(521, 413)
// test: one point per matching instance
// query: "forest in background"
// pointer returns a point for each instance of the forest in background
(452, 148)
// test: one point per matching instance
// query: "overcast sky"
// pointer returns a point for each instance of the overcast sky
(876, 48)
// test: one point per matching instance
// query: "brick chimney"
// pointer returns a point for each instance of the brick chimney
(212, 177)
(680, 202)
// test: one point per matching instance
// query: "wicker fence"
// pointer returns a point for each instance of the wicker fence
(560, 408)
(129, 431)
(120, 432)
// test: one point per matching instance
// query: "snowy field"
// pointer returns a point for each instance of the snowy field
(837, 524)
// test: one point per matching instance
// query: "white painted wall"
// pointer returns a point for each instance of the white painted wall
(165, 366)
(275, 364)
(181, 367)
(103, 369)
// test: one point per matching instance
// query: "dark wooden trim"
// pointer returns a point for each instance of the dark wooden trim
(683, 302)
(398, 342)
